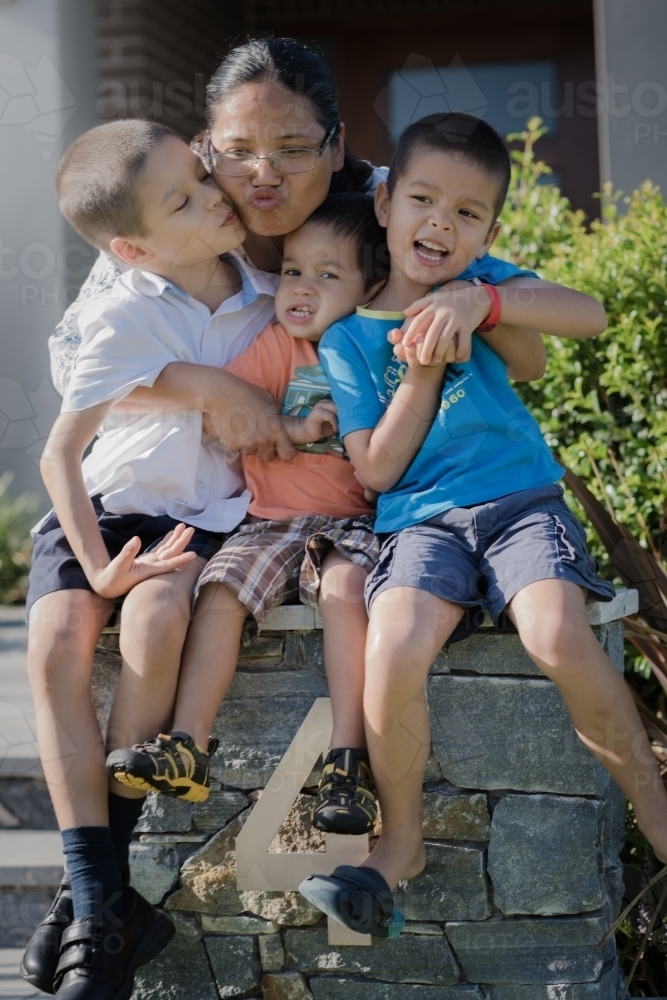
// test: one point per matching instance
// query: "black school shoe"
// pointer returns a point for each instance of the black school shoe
(40, 959)
(345, 801)
(100, 956)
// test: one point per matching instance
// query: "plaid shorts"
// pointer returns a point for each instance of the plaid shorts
(268, 563)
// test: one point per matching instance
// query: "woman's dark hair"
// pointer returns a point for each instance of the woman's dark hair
(352, 214)
(454, 132)
(301, 70)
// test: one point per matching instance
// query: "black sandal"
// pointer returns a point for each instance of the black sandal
(357, 897)
(345, 800)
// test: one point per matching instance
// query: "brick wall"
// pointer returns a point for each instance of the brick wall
(154, 57)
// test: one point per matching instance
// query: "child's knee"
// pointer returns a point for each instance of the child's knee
(342, 581)
(558, 643)
(154, 611)
(58, 656)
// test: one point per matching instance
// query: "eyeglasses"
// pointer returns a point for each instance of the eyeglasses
(290, 160)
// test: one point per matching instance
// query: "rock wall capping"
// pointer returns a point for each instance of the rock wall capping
(523, 831)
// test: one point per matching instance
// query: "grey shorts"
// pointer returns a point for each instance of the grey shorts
(479, 557)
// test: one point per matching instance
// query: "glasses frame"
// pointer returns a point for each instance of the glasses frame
(209, 161)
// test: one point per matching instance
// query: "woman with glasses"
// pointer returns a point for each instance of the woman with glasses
(275, 144)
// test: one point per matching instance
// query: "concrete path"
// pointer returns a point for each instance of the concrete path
(18, 745)
(12, 987)
(30, 858)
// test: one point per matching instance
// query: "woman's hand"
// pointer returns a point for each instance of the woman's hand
(128, 568)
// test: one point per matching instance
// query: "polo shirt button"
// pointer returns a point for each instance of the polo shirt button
(201, 485)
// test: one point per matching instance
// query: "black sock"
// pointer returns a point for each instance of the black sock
(93, 870)
(123, 817)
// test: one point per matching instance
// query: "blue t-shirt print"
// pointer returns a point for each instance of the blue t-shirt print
(483, 443)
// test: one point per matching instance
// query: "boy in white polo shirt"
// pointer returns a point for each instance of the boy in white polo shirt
(120, 520)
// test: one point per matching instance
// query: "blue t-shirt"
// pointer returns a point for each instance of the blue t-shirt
(483, 443)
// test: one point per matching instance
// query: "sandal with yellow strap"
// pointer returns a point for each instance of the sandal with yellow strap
(345, 801)
(172, 764)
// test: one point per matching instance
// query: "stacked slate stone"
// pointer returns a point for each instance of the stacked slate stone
(523, 831)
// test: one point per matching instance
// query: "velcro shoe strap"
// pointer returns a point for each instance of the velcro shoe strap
(80, 956)
(56, 917)
(85, 929)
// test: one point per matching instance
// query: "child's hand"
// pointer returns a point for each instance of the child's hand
(128, 569)
(410, 354)
(440, 326)
(321, 422)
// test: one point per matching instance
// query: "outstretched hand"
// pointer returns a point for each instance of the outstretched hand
(129, 568)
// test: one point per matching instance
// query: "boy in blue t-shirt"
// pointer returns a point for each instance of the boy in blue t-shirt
(471, 516)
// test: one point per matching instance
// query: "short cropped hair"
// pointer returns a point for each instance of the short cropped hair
(97, 178)
(453, 132)
(352, 214)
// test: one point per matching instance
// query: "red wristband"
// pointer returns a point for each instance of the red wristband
(493, 318)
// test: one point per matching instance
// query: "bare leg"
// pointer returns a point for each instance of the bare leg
(63, 630)
(550, 616)
(406, 630)
(345, 626)
(209, 660)
(155, 620)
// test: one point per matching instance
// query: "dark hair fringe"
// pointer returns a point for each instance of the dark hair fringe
(304, 72)
(454, 132)
(352, 214)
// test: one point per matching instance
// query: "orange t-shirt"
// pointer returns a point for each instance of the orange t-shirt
(319, 479)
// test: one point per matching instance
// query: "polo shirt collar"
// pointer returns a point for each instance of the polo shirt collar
(255, 282)
(145, 282)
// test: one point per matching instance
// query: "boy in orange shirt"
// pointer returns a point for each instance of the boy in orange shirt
(310, 529)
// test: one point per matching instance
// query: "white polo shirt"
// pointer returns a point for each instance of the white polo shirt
(159, 463)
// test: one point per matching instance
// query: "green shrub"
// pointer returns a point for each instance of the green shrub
(603, 402)
(16, 518)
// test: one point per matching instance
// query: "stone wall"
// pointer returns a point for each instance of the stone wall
(523, 831)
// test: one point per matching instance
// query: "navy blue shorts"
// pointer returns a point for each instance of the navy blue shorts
(55, 567)
(479, 557)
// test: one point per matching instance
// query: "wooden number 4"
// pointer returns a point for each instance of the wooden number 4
(256, 868)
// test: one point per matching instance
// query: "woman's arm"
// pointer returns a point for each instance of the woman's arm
(382, 455)
(60, 466)
(65, 341)
(523, 351)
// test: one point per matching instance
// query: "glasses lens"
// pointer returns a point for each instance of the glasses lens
(293, 161)
(233, 164)
(284, 161)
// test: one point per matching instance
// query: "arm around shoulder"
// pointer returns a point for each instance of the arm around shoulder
(522, 350)
(552, 309)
